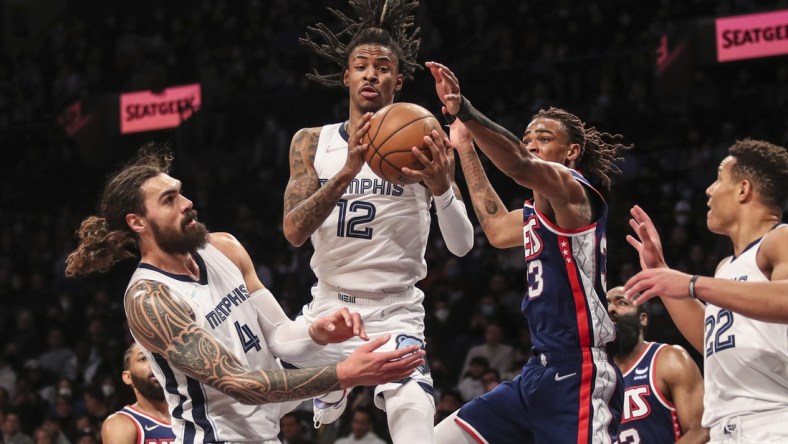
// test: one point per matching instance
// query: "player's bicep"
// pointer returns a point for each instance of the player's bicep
(686, 386)
(164, 325)
(119, 429)
(303, 178)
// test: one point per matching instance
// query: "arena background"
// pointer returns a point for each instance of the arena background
(647, 70)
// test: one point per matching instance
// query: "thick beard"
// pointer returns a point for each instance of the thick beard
(627, 333)
(185, 240)
(148, 389)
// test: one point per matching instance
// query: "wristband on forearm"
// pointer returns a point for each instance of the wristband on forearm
(692, 294)
(466, 110)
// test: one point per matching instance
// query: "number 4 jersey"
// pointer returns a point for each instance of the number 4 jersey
(221, 305)
(746, 361)
(375, 237)
(565, 303)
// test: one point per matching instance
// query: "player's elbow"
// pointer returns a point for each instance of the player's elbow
(461, 248)
(293, 235)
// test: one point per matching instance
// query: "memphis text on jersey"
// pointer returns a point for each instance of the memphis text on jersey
(233, 299)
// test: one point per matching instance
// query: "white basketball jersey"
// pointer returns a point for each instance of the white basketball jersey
(375, 238)
(746, 361)
(221, 306)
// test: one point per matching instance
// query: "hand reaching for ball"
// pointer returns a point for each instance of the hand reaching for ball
(437, 171)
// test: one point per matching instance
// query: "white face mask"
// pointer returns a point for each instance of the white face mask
(442, 314)
(108, 390)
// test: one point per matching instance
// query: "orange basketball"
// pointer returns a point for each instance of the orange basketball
(393, 131)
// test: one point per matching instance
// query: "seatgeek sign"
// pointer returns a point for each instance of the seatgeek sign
(148, 110)
(752, 36)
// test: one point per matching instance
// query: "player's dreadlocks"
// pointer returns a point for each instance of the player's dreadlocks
(381, 22)
(597, 149)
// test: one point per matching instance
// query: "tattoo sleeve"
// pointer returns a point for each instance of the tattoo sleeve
(164, 325)
(486, 203)
(307, 204)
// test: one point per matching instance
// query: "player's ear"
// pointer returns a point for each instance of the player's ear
(400, 81)
(135, 222)
(126, 377)
(745, 190)
(346, 78)
(574, 151)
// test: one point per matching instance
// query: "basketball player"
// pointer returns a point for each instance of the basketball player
(208, 327)
(370, 235)
(570, 391)
(147, 421)
(742, 329)
(663, 388)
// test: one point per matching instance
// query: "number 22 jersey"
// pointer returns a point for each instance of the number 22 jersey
(746, 361)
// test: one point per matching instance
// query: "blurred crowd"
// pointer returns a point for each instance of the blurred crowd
(63, 339)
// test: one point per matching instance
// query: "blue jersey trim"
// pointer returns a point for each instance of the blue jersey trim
(182, 277)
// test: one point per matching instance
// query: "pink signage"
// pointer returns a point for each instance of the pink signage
(752, 35)
(146, 110)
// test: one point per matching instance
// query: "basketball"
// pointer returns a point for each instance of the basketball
(393, 131)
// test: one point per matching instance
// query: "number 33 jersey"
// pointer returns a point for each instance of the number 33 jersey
(221, 305)
(565, 302)
(376, 235)
(746, 361)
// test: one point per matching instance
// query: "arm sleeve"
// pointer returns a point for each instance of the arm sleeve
(287, 339)
(453, 221)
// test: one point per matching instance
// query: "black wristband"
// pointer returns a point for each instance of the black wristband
(692, 286)
(464, 114)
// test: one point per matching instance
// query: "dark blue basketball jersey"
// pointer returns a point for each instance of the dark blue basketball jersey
(149, 430)
(647, 417)
(565, 301)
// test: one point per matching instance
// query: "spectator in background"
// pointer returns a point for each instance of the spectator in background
(292, 430)
(500, 356)
(490, 379)
(470, 386)
(12, 430)
(57, 355)
(362, 432)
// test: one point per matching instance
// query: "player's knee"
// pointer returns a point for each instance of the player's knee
(410, 396)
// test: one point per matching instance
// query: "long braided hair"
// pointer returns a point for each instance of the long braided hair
(598, 150)
(388, 23)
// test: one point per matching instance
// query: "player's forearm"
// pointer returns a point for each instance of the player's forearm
(688, 316)
(456, 228)
(503, 148)
(485, 201)
(308, 214)
(696, 435)
(288, 339)
(165, 326)
(763, 301)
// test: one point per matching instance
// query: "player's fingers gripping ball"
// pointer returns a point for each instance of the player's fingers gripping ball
(393, 131)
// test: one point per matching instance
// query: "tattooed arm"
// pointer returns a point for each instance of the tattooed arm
(502, 228)
(164, 325)
(561, 196)
(307, 204)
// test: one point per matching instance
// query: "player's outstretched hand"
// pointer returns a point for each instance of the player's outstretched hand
(648, 244)
(337, 327)
(655, 282)
(365, 366)
(447, 86)
(437, 173)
